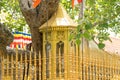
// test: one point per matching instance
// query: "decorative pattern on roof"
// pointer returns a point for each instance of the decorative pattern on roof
(60, 18)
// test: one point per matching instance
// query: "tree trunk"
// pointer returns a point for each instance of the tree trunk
(36, 17)
(36, 39)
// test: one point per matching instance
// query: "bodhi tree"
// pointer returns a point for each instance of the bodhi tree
(35, 17)
(100, 18)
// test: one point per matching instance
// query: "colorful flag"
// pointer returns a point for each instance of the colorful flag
(36, 3)
(75, 2)
(20, 40)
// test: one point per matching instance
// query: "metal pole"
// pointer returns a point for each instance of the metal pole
(81, 16)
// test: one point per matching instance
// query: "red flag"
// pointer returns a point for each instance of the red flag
(74, 2)
(79, 1)
(36, 3)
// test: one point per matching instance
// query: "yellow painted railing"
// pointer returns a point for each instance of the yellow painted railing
(75, 66)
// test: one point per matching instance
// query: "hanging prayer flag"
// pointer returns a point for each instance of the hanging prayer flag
(20, 40)
(36, 3)
(75, 2)
(79, 1)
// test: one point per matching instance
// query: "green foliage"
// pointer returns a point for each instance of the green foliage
(13, 16)
(78, 41)
(100, 18)
(101, 45)
(88, 25)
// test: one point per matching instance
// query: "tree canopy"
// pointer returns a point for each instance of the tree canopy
(100, 18)
(11, 15)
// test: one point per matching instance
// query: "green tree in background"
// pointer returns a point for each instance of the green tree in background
(10, 10)
(100, 18)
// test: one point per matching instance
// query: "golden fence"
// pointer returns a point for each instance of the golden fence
(21, 66)
(92, 65)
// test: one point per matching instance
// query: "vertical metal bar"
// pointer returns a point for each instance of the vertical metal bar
(80, 63)
(65, 64)
(112, 66)
(27, 72)
(44, 73)
(96, 69)
(77, 63)
(73, 73)
(92, 68)
(43, 62)
(0, 68)
(67, 56)
(70, 64)
(95, 66)
(106, 64)
(99, 67)
(7, 62)
(87, 55)
(103, 67)
(109, 66)
(21, 67)
(3, 69)
(30, 65)
(35, 77)
(16, 64)
(84, 68)
(54, 57)
(118, 72)
(73, 62)
(118, 65)
(89, 66)
(82, 51)
(42, 58)
(50, 64)
(59, 57)
(9, 66)
(40, 71)
(115, 67)
(25, 65)
(12, 66)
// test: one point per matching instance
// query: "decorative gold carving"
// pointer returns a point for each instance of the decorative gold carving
(60, 35)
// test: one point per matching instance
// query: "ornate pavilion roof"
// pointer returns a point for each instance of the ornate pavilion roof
(60, 18)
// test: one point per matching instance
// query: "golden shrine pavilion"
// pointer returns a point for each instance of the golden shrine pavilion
(64, 60)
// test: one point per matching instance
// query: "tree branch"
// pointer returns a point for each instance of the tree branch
(99, 22)
(36, 17)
